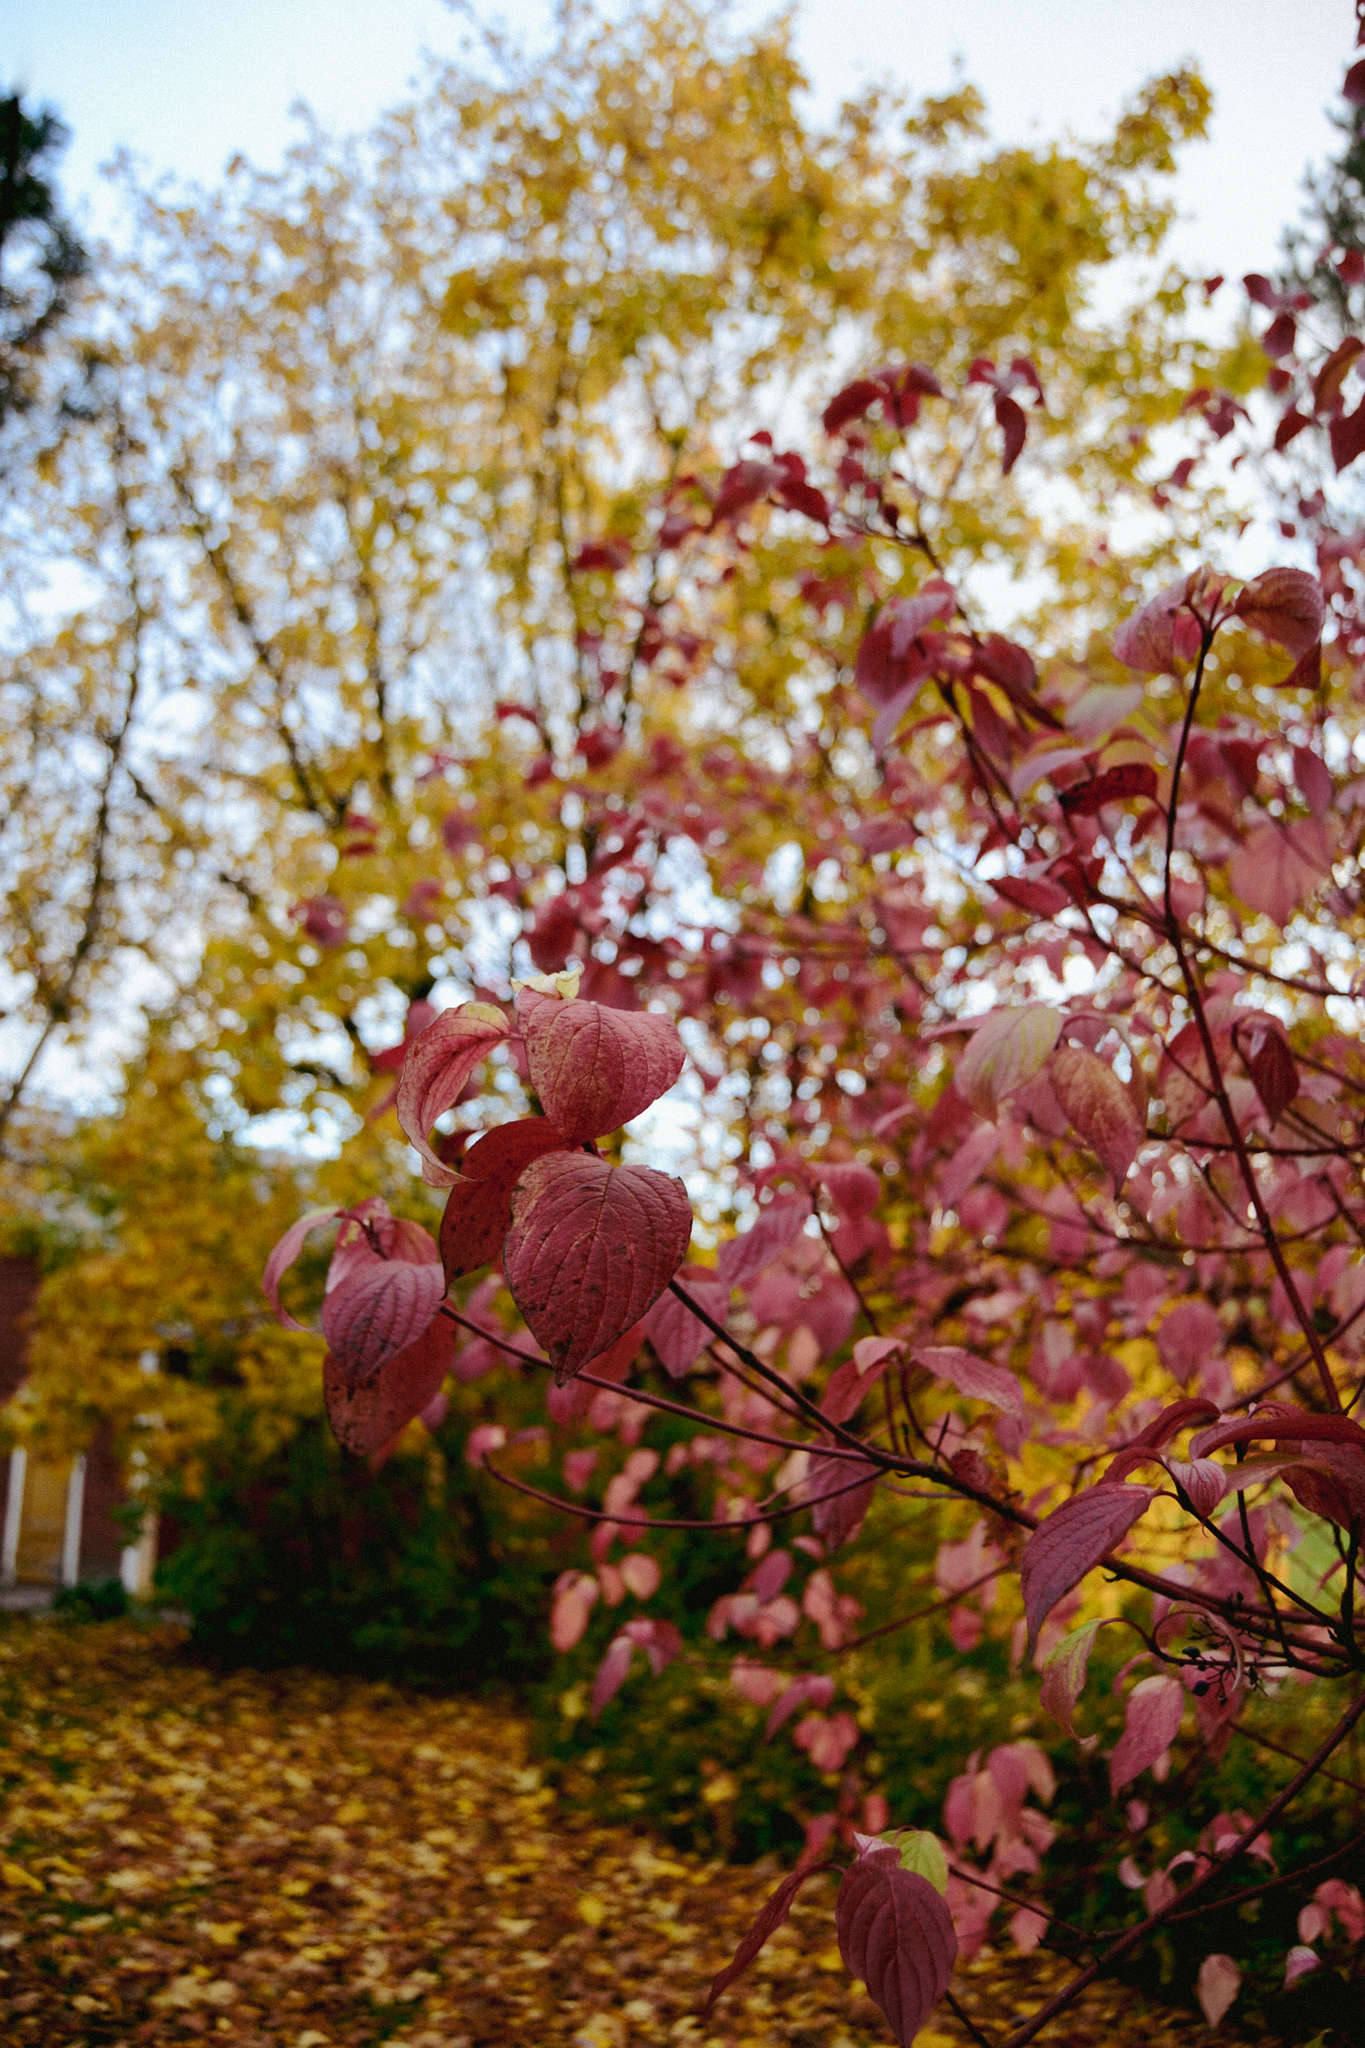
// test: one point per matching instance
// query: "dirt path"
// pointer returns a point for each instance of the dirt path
(308, 1862)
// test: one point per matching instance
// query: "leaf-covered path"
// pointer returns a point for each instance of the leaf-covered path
(298, 1860)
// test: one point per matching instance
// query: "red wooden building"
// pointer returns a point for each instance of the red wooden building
(57, 1519)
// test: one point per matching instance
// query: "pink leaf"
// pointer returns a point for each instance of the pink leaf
(1071, 1542)
(1027, 1928)
(1186, 1338)
(896, 1936)
(850, 1383)
(1151, 1724)
(379, 1310)
(677, 1335)
(827, 1742)
(367, 1414)
(1277, 867)
(595, 1068)
(1216, 1986)
(641, 1574)
(437, 1066)
(1007, 1048)
(972, 1376)
(1300, 1962)
(591, 1248)
(1064, 1676)
(1203, 1480)
(742, 1259)
(478, 1212)
(772, 1915)
(283, 1256)
(1162, 632)
(840, 1493)
(1100, 1108)
(574, 1599)
(1286, 606)
(813, 1689)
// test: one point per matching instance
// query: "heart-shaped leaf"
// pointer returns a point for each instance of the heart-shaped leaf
(840, 1493)
(1151, 1724)
(1286, 605)
(436, 1068)
(367, 1415)
(591, 1248)
(1008, 1047)
(380, 1309)
(896, 1936)
(677, 1335)
(595, 1068)
(478, 1212)
(1101, 1109)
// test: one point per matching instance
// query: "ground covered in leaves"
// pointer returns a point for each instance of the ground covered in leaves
(288, 1858)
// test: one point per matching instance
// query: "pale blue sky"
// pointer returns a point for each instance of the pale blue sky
(187, 83)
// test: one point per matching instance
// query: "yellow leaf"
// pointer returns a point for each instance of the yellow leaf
(15, 1874)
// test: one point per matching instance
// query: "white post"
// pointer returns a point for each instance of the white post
(75, 1514)
(137, 1565)
(14, 1514)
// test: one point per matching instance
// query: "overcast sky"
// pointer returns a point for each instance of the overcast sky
(188, 83)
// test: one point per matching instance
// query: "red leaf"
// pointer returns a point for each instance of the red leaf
(595, 1068)
(1272, 1067)
(677, 1335)
(743, 485)
(1161, 1430)
(1151, 1724)
(840, 1493)
(378, 1310)
(1040, 899)
(850, 404)
(771, 1915)
(896, 1936)
(1346, 437)
(972, 1376)
(1292, 423)
(1185, 1339)
(1131, 778)
(1286, 606)
(1278, 867)
(1153, 638)
(1275, 1419)
(742, 1259)
(1333, 374)
(1008, 1047)
(799, 496)
(478, 1213)
(283, 1255)
(1071, 1542)
(1100, 1108)
(438, 1064)
(366, 1415)
(591, 1248)
(888, 658)
(1353, 85)
(1012, 421)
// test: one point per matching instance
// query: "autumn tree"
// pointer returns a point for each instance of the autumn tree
(561, 730)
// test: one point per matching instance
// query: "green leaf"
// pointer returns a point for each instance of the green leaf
(923, 1853)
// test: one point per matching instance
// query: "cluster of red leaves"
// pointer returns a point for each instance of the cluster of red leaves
(1081, 1161)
